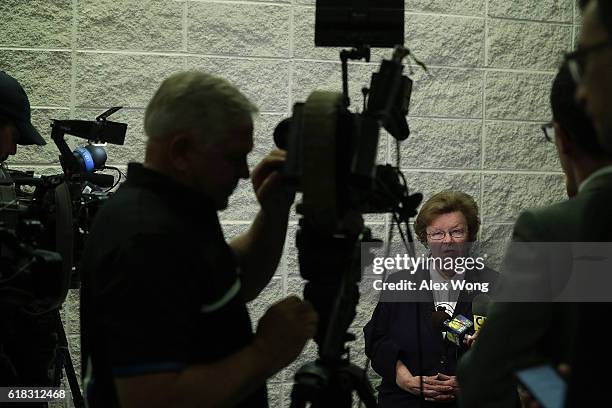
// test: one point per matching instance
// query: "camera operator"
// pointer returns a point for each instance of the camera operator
(164, 320)
(15, 121)
(27, 343)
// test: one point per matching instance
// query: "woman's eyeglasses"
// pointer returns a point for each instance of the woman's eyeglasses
(440, 235)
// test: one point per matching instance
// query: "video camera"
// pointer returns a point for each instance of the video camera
(331, 160)
(44, 222)
(63, 205)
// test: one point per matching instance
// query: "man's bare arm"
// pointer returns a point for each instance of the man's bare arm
(220, 384)
(281, 335)
(260, 248)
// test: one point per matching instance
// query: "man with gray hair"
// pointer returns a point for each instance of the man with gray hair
(164, 321)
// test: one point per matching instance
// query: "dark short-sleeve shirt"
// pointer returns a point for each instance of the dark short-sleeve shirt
(160, 287)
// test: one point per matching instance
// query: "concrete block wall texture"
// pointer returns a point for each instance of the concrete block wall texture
(475, 119)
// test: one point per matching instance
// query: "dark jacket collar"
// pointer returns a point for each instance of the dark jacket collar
(600, 179)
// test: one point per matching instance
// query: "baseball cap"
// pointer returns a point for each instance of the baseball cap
(15, 105)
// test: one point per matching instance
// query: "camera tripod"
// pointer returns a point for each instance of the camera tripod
(331, 265)
(65, 362)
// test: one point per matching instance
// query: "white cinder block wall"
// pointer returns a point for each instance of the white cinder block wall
(475, 120)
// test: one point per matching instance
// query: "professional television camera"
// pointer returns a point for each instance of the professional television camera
(44, 222)
(33, 286)
(66, 203)
(331, 159)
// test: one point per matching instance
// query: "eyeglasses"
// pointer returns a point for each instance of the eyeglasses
(576, 61)
(549, 131)
(440, 235)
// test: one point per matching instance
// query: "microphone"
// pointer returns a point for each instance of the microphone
(480, 309)
(456, 328)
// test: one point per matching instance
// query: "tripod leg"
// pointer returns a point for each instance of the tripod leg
(297, 401)
(366, 396)
(361, 384)
(77, 397)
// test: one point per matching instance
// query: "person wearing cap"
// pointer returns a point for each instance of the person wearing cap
(27, 343)
(15, 118)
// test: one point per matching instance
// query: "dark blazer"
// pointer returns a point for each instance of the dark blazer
(519, 335)
(391, 335)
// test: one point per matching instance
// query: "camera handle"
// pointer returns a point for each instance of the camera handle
(358, 53)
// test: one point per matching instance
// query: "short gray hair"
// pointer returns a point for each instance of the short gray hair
(195, 101)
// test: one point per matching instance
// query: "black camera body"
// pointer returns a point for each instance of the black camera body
(331, 152)
(53, 214)
(31, 279)
(44, 222)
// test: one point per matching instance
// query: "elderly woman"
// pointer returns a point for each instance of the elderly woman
(402, 339)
